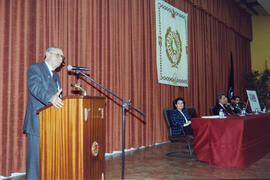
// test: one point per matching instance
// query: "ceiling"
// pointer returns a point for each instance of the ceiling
(255, 7)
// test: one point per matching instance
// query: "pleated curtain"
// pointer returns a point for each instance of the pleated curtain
(116, 39)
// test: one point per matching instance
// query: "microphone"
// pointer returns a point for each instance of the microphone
(246, 104)
(69, 67)
(79, 87)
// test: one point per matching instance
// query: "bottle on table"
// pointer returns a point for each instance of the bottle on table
(256, 111)
(243, 112)
(264, 109)
(221, 113)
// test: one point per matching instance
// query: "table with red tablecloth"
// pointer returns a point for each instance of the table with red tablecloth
(234, 141)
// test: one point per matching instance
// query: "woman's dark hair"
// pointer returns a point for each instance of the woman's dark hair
(178, 99)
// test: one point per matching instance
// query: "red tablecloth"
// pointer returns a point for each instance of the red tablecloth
(235, 141)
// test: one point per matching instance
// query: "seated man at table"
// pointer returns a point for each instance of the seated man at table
(221, 104)
(180, 117)
(236, 104)
(229, 107)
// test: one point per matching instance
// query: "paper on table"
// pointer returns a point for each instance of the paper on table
(214, 117)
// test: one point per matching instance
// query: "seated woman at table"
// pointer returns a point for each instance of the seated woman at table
(180, 117)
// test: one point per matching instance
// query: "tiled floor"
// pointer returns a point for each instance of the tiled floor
(152, 163)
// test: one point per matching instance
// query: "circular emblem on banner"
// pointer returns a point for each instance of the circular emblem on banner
(95, 148)
(173, 46)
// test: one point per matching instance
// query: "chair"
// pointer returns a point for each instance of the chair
(179, 138)
(191, 111)
(212, 110)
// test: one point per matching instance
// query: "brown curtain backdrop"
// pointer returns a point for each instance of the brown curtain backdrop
(116, 39)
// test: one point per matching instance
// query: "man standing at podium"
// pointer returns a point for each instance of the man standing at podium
(43, 89)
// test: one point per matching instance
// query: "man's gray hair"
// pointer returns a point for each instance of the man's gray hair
(219, 96)
(52, 49)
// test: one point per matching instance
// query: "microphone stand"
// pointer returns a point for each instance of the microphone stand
(124, 105)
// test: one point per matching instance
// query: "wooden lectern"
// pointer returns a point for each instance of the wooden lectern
(72, 139)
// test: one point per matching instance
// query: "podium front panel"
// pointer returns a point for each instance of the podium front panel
(72, 139)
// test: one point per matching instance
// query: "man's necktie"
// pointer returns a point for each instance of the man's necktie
(56, 83)
(55, 79)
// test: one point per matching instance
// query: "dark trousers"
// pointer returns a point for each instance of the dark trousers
(188, 130)
(32, 160)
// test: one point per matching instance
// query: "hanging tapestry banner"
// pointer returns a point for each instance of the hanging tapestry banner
(171, 44)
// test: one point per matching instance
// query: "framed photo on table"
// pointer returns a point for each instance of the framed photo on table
(253, 100)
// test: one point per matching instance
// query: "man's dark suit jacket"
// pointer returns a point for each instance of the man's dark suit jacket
(237, 107)
(227, 111)
(41, 87)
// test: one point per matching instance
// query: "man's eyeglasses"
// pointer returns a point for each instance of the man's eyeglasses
(59, 56)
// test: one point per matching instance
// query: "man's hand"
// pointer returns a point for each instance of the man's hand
(56, 101)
